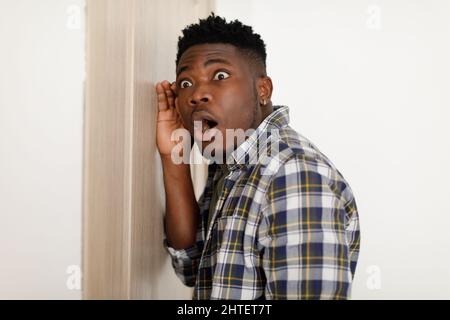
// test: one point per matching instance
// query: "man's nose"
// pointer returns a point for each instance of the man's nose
(200, 96)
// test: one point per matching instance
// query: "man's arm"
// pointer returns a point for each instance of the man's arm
(182, 232)
(303, 233)
(181, 221)
(182, 212)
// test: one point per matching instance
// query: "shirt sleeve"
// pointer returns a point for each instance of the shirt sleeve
(185, 261)
(306, 252)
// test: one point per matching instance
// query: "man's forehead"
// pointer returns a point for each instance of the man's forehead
(208, 49)
(205, 52)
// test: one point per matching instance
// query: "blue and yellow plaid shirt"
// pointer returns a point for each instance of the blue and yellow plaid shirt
(284, 228)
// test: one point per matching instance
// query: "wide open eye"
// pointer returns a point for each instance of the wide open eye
(221, 75)
(185, 84)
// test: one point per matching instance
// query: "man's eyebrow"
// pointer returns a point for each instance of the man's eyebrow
(207, 63)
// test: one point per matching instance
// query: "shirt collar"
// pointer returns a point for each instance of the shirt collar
(247, 152)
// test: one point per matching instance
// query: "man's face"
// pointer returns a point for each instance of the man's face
(216, 89)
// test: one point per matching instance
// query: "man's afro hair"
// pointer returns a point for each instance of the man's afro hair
(215, 29)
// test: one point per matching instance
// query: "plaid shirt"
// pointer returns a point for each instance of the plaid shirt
(286, 228)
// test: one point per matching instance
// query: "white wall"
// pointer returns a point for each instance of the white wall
(41, 104)
(368, 83)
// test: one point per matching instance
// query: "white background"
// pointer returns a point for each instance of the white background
(41, 136)
(369, 83)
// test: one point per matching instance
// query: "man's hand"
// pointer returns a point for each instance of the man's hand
(182, 212)
(168, 119)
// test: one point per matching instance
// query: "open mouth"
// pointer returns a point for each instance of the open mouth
(205, 127)
(208, 124)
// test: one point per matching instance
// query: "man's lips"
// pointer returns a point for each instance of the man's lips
(203, 115)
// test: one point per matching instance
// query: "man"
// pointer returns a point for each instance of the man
(283, 228)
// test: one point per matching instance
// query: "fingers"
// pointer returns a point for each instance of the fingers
(173, 86)
(166, 95)
(169, 94)
(162, 99)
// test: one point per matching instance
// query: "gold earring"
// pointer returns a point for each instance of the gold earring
(264, 102)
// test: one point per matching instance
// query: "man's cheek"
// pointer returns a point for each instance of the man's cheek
(185, 119)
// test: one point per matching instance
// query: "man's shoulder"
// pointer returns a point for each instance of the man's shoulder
(296, 149)
(300, 156)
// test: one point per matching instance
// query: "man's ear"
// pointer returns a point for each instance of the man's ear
(265, 88)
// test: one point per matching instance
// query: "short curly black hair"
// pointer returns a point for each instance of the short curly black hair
(215, 29)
